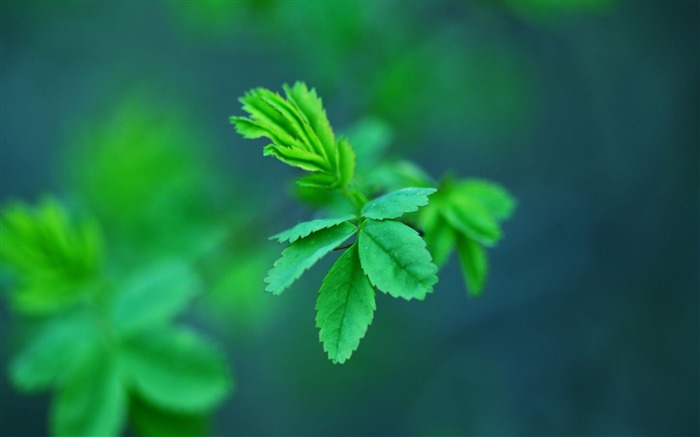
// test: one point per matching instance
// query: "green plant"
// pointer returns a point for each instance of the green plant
(107, 345)
(390, 252)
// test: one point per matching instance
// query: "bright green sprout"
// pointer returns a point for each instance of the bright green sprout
(300, 133)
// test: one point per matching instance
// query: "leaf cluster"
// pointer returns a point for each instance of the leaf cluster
(388, 253)
(54, 260)
(466, 215)
(300, 133)
(111, 350)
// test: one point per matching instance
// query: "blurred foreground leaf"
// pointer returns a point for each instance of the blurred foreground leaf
(149, 420)
(176, 369)
(154, 296)
(93, 400)
(148, 182)
(553, 12)
(54, 260)
(53, 353)
(97, 345)
(397, 203)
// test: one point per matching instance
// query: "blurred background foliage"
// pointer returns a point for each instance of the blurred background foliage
(586, 110)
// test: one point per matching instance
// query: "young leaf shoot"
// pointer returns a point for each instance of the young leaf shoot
(390, 254)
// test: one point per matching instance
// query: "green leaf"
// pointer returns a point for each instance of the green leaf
(166, 208)
(296, 158)
(472, 258)
(470, 217)
(318, 179)
(151, 421)
(233, 296)
(251, 129)
(346, 162)
(93, 400)
(296, 120)
(310, 107)
(267, 121)
(176, 369)
(53, 353)
(493, 196)
(345, 306)
(439, 236)
(281, 121)
(395, 259)
(55, 260)
(300, 132)
(397, 203)
(155, 296)
(303, 254)
(304, 229)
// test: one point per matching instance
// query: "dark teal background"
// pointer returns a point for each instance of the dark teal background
(587, 112)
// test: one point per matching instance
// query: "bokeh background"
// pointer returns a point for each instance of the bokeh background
(587, 111)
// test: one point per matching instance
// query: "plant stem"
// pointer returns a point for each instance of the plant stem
(355, 196)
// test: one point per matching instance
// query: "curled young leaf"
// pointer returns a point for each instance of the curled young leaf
(300, 133)
(311, 110)
(93, 400)
(297, 158)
